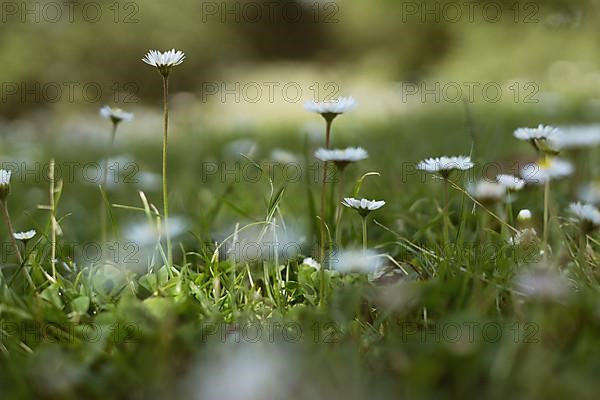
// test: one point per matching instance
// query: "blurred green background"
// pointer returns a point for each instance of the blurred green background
(362, 47)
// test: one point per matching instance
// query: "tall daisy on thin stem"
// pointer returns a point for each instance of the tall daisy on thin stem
(542, 138)
(542, 172)
(164, 62)
(341, 159)
(116, 115)
(328, 110)
(364, 207)
(444, 166)
(589, 220)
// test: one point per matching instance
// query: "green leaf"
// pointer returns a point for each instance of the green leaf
(80, 305)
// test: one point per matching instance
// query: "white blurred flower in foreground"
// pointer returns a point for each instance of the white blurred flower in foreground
(164, 61)
(576, 137)
(234, 149)
(510, 182)
(281, 156)
(546, 169)
(145, 234)
(590, 193)
(487, 192)
(116, 115)
(275, 242)
(342, 157)
(543, 284)
(245, 371)
(311, 262)
(361, 261)
(363, 206)
(445, 165)
(148, 181)
(330, 109)
(587, 214)
(25, 236)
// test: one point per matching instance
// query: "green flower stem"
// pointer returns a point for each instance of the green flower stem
(340, 210)
(364, 233)
(446, 228)
(322, 212)
(546, 217)
(103, 208)
(53, 222)
(164, 169)
(582, 250)
(11, 231)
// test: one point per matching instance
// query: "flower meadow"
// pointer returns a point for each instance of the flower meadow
(418, 259)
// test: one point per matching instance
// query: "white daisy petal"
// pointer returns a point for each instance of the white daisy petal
(363, 206)
(311, 262)
(445, 164)
(510, 182)
(27, 235)
(487, 192)
(5, 177)
(576, 137)
(547, 169)
(540, 133)
(339, 106)
(586, 213)
(164, 61)
(342, 156)
(115, 114)
(359, 261)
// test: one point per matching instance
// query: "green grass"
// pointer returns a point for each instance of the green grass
(109, 328)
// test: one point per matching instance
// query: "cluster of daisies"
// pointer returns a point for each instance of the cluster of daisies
(548, 142)
(341, 159)
(164, 63)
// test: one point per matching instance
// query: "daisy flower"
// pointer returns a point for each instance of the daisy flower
(363, 206)
(281, 156)
(360, 261)
(311, 262)
(164, 61)
(541, 132)
(587, 214)
(510, 182)
(116, 115)
(540, 137)
(590, 193)
(25, 236)
(330, 109)
(543, 284)
(341, 157)
(576, 137)
(4, 183)
(546, 169)
(487, 192)
(445, 165)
